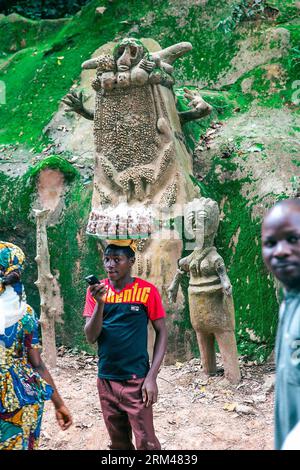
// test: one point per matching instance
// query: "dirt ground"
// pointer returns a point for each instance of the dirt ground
(192, 412)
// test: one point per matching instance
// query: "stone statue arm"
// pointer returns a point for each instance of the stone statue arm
(184, 263)
(91, 63)
(173, 289)
(183, 267)
(199, 107)
(172, 53)
(147, 64)
(154, 70)
(75, 103)
(222, 273)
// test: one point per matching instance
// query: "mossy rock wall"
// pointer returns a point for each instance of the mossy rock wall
(246, 154)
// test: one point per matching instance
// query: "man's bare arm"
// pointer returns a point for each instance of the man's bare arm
(149, 388)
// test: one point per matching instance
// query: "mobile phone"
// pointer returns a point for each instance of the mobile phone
(91, 280)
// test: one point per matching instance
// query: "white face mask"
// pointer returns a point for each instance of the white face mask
(12, 309)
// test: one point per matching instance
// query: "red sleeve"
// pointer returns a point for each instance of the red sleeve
(89, 304)
(155, 306)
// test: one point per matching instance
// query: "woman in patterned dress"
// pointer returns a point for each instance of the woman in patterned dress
(25, 382)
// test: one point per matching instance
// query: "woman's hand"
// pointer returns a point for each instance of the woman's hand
(63, 417)
(11, 278)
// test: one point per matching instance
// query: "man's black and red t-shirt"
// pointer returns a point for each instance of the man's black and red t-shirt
(122, 344)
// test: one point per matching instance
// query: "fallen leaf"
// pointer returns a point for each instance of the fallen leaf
(229, 406)
(178, 365)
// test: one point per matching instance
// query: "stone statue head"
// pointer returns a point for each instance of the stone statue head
(202, 218)
(128, 53)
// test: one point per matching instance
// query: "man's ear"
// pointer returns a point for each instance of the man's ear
(132, 260)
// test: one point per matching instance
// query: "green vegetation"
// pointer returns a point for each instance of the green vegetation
(41, 9)
(246, 10)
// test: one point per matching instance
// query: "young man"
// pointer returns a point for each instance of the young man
(117, 312)
(281, 252)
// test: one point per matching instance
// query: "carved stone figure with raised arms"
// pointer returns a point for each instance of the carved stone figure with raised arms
(141, 160)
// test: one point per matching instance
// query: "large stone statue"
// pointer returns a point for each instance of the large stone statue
(210, 292)
(142, 166)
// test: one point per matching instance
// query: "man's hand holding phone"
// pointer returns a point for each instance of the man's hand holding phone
(98, 289)
(93, 326)
(99, 292)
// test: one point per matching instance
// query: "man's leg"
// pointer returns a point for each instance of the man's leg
(140, 417)
(116, 420)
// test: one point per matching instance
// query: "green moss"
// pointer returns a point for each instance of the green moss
(200, 28)
(50, 61)
(17, 32)
(288, 10)
(57, 163)
(49, 70)
(223, 105)
(68, 244)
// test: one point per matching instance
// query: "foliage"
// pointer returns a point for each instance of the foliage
(42, 9)
(245, 10)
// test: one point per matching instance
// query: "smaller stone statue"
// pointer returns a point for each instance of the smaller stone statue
(210, 292)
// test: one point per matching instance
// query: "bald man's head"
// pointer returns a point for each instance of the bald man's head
(285, 204)
(281, 242)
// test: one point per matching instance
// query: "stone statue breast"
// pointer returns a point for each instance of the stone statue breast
(207, 267)
(208, 278)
